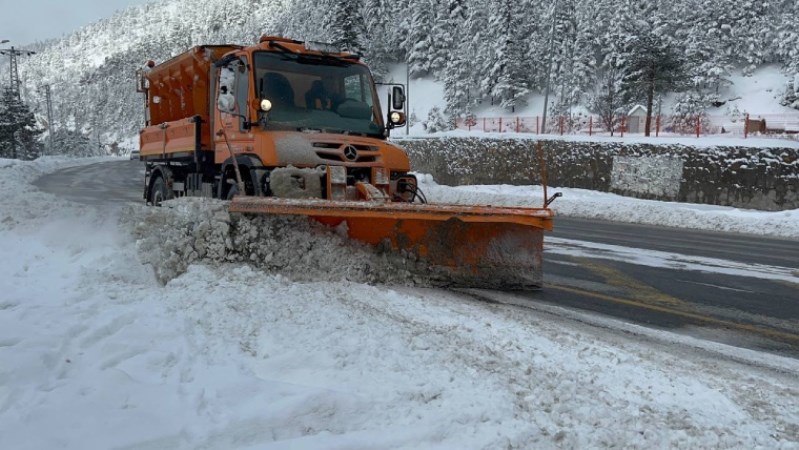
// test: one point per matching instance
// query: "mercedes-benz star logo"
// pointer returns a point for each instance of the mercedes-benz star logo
(350, 152)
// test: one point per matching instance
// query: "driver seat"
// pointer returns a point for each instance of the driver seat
(278, 89)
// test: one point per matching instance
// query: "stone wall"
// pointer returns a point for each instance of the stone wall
(745, 177)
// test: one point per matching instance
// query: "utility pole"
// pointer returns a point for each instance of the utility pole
(14, 79)
(407, 97)
(12, 53)
(50, 126)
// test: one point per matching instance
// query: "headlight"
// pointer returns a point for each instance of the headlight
(396, 117)
(266, 105)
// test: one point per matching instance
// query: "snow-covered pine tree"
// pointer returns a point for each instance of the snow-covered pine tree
(459, 86)
(607, 100)
(653, 66)
(379, 48)
(436, 121)
(419, 42)
(18, 128)
(345, 26)
(584, 57)
(740, 29)
(441, 39)
(73, 143)
(790, 97)
(480, 37)
(507, 76)
(690, 107)
(562, 47)
(786, 43)
(607, 46)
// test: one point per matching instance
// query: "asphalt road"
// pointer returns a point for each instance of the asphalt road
(733, 288)
(737, 289)
(106, 184)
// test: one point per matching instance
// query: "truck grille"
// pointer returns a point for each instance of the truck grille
(348, 153)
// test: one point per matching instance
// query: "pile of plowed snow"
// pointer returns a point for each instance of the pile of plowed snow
(187, 231)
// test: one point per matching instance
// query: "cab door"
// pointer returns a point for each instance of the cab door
(232, 111)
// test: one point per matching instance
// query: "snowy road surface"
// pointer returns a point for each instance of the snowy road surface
(95, 354)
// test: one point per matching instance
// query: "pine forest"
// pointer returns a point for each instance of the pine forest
(602, 55)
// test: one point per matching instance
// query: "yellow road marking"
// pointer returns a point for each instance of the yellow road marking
(779, 335)
(643, 292)
(790, 284)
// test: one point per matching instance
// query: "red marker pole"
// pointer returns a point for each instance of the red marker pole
(746, 126)
(697, 126)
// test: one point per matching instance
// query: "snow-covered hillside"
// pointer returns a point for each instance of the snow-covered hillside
(477, 56)
(96, 354)
(92, 71)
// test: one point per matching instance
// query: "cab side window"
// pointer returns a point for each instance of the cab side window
(242, 92)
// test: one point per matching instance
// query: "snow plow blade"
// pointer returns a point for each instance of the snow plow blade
(461, 246)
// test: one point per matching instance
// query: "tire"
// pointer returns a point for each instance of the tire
(159, 192)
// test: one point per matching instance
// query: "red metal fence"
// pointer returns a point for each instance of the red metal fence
(743, 126)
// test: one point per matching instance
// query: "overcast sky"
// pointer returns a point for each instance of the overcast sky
(27, 21)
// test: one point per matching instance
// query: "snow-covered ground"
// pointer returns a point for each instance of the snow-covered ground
(96, 354)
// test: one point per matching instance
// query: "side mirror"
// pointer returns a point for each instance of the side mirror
(397, 98)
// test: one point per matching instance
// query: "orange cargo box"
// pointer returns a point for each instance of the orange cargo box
(179, 88)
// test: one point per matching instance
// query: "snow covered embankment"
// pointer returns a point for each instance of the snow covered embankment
(95, 354)
(587, 204)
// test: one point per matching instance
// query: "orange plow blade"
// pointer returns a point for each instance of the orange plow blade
(462, 246)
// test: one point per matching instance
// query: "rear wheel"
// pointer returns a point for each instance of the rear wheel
(159, 192)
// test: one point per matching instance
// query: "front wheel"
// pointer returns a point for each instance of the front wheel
(159, 192)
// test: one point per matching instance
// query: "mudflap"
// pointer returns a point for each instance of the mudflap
(457, 245)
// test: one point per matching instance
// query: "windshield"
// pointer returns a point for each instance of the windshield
(317, 93)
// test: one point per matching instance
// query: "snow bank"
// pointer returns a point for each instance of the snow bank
(187, 231)
(587, 204)
(22, 203)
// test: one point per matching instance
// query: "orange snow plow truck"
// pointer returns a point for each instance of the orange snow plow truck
(291, 128)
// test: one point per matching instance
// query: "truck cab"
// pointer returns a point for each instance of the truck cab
(281, 109)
